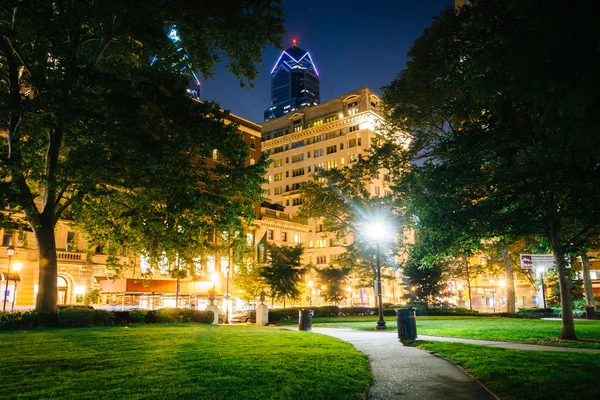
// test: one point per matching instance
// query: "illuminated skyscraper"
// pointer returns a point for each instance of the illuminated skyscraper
(294, 83)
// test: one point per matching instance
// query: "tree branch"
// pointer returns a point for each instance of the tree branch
(103, 44)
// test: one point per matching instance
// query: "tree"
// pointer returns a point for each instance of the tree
(283, 272)
(98, 133)
(334, 279)
(250, 282)
(504, 103)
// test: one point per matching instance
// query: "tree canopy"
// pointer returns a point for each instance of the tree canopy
(283, 272)
(503, 102)
(99, 133)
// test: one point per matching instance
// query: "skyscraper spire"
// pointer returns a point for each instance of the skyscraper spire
(294, 83)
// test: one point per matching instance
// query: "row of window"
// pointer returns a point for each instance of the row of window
(313, 140)
(279, 176)
(284, 236)
(278, 162)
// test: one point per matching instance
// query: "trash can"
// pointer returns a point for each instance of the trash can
(589, 312)
(305, 320)
(406, 320)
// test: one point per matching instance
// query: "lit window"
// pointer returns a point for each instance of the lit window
(297, 238)
(249, 239)
(331, 164)
(278, 162)
(318, 153)
(279, 176)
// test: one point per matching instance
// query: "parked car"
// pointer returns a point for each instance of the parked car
(243, 316)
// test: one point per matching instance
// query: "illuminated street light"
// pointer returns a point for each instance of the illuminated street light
(16, 267)
(10, 251)
(377, 231)
(493, 296)
(310, 286)
(541, 271)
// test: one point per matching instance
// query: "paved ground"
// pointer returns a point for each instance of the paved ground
(403, 372)
(506, 345)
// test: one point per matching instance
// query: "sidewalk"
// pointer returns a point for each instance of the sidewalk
(403, 372)
(506, 345)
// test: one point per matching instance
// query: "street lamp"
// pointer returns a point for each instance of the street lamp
(10, 251)
(227, 295)
(541, 271)
(16, 267)
(350, 292)
(310, 285)
(502, 285)
(493, 296)
(377, 231)
(212, 294)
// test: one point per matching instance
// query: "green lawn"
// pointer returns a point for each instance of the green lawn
(179, 362)
(531, 375)
(489, 328)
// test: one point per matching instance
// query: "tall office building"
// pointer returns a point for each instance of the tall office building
(294, 83)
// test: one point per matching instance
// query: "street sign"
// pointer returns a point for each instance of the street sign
(536, 261)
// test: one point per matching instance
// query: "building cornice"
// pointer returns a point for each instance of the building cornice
(364, 116)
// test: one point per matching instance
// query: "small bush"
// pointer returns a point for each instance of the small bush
(165, 315)
(137, 316)
(75, 317)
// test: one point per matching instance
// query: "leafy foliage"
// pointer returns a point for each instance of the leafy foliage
(283, 272)
(504, 132)
(100, 134)
(335, 280)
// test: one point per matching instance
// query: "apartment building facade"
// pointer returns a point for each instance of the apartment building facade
(334, 134)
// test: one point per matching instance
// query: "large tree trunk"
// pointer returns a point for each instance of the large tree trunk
(510, 282)
(587, 280)
(48, 272)
(568, 325)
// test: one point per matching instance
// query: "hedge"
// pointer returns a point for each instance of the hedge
(75, 317)
(277, 315)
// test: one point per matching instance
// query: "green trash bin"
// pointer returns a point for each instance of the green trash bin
(406, 319)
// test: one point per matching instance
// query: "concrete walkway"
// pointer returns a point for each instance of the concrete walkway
(504, 345)
(403, 372)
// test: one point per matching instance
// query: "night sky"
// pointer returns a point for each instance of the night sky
(353, 43)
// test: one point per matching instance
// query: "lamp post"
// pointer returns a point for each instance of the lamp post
(493, 296)
(541, 272)
(212, 294)
(227, 294)
(502, 285)
(377, 231)
(351, 303)
(310, 285)
(10, 251)
(16, 267)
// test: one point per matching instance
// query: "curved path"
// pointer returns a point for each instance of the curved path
(403, 372)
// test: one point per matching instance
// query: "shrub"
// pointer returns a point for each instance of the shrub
(76, 317)
(167, 315)
(137, 316)
(203, 317)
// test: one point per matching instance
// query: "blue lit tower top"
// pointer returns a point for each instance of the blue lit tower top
(294, 83)
(185, 66)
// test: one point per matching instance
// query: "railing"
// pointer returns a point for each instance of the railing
(69, 256)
